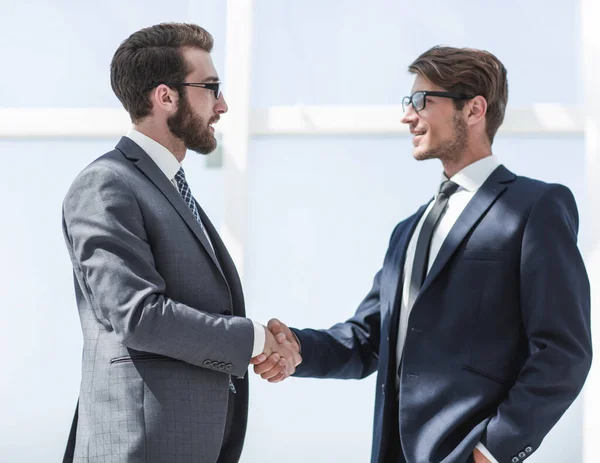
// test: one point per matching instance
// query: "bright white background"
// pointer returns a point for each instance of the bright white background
(319, 208)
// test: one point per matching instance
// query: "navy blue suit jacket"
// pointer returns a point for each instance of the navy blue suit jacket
(498, 342)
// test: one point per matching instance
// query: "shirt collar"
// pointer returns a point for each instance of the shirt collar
(474, 175)
(164, 159)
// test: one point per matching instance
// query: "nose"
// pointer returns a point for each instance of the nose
(221, 105)
(409, 115)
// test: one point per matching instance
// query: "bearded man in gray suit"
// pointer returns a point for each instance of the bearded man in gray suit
(166, 341)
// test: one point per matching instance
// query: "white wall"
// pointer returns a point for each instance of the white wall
(352, 52)
(58, 52)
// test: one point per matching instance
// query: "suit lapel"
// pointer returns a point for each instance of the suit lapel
(399, 256)
(149, 168)
(485, 197)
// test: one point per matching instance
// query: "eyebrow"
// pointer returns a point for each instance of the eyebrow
(211, 79)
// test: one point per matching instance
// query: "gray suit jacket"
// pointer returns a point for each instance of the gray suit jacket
(162, 319)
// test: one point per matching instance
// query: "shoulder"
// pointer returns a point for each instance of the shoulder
(103, 180)
(533, 193)
(109, 167)
(538, 188)
(546, 203)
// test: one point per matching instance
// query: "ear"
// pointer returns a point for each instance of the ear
(476, 110)
(164, 98)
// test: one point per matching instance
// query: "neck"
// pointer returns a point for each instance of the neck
(160, 133)
(472, 154)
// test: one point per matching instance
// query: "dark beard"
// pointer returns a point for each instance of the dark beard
(450, 150)
(192, 129)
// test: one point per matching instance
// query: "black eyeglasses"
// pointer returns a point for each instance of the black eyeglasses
(419, 99)
(215, 87)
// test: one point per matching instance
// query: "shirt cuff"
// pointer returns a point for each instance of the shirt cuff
(259, 339)
(486, 452)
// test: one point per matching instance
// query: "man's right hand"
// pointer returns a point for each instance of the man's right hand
(278, 359)
(283, 333)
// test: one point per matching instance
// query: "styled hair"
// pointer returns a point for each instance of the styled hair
(469, 71)
(150, 56)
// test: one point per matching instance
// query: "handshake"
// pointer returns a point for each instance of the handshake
(281, 354)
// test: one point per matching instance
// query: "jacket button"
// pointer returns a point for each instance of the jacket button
(515, 460)
(221, 366)
(522, 455)
(206, 363)
(528, 449)
(214, 364)
(228, 367)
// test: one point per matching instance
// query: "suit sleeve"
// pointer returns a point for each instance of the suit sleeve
(114, 265)
(555, 306)
(347, 350)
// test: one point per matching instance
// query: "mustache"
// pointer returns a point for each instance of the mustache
(214, 120)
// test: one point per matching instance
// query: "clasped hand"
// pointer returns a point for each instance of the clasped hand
(281, 355)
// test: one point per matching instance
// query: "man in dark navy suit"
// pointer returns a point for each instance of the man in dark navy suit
(478, 323)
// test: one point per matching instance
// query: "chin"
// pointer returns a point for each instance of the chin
(209, 149)
(203, 148)
(421, 154)
(204, 145)
(211, 143)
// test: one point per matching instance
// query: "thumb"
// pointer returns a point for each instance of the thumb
(275, 326)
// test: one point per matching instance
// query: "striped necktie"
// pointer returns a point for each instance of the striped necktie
(186, 194)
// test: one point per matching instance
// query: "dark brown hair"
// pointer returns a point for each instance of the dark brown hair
(149, 56)
(469, 71)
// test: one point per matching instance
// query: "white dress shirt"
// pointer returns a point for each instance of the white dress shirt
(469, 180)
(169, 165)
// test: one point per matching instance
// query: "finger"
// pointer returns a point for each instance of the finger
(281, 338)
(275, 370)
(267, 364)
(280, 377)
(258, 359)
(290, 366)
(296, 347)
(291, 358)
(297, 359)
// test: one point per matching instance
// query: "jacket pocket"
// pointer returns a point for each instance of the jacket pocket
(484, 374)
(140, 358)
